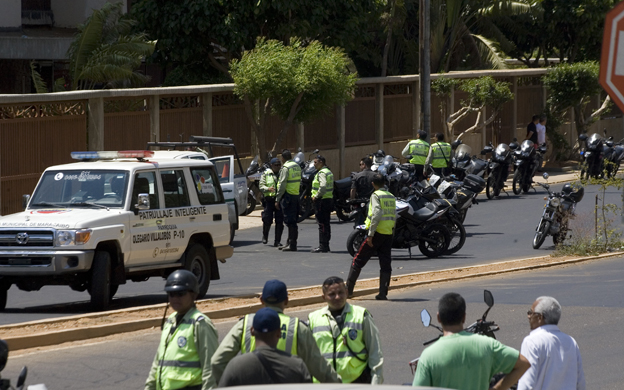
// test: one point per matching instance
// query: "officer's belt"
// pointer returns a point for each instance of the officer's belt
(344, 354)
(178, 363)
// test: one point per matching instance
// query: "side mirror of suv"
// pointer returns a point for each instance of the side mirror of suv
(25, 200)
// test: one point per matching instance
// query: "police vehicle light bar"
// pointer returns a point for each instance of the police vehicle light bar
(108, 155)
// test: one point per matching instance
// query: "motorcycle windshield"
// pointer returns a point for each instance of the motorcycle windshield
(594, 140)
(501, 152)
(299, 158)
(527, 146)
(463, 152)
(253, 167)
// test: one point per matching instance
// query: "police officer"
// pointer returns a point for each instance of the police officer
(380, 225)
(187, 343)
(439, 156)
(347, 336)
(296, 338)
(288, 198)
(268, 186)
(323, 197)
(417, 151)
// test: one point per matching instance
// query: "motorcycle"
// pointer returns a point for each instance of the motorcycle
(254, 173)
(342, 199)
(396, 177)
(464, 193)
(5, 384)
(378, 159)
(463, 163)
(527, 162)
(308, 171)
(480, 326)
(415, 225)
(613, 156)
(498, 168)
(592, 156)
(558, 211)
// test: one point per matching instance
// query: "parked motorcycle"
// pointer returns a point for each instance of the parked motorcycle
(592, 156)
(422, 226)
(342, 199)
(308, 171)
(396, 177)
(5, 384)
(613, 156)
(498, 168)
(378, 159)
(528, 159)
(558, 211)
(464, 193)
(253, 174)
(464, 163)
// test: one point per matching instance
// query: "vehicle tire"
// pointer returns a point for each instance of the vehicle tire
(113, 290)
(526, 188)
(434, 240)
(583, 174)
(497, 189)
(489, 188)
(355, 241)
(541, 233)
(251, 203)
(457, 235)
(233, 227)
(198, 262)
(342, 216)
(462, 215)
(4, 292)
(516, 186)
(305, 208)
(100, 286)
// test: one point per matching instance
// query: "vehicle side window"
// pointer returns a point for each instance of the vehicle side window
(207, 185)
(174, 188)
(223, 169)
(145, 183)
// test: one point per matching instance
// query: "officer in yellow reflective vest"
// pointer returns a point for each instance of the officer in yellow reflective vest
(296, 338)
(417, 151)
(347, 336)
(268, 186)
(323, 197)
(439, 156)
(287, 198)
(380, 226)
(187, 343)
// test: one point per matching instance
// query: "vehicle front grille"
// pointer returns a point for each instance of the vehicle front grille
(26, 238)
(25, 261)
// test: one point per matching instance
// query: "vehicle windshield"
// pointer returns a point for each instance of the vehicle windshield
(299, 157)
(463, 152)
(81, 188)
(502, 149)
(253, 166)
(594, 139)
(527, 145)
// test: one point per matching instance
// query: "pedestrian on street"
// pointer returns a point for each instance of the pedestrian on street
(463, 360)
(417, 151)
(380, 225)
(266, 364)
(187, 343)
(268, 186)
(347, 336)
(287, 198)
(554, 356)
(439, 156)
(532, 129)
(362, 185)
(296, 338)
(323, 198)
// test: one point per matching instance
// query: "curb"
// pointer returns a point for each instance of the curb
(68, 335)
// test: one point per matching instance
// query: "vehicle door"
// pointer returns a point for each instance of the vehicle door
(181, 217)
(233, 183)
(213, 215)
(144, 224)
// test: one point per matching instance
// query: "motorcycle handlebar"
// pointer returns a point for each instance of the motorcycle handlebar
(432, 341)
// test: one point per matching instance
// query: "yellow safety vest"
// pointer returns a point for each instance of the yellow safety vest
(288, 341)
(178, 361)
(387, 201)
(269, 181)
(441, 155)
(293, 177)
(419, 150)
(329, 179)
(344, 361)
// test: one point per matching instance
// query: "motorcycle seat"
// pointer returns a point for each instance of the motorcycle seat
(423, 214)
(343, 183)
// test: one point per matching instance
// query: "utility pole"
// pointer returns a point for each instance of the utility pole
(424, 38)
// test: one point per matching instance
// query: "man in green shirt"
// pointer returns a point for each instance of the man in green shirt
(463, 360)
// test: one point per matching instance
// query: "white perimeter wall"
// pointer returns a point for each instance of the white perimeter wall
(70, 13)
(11, 15)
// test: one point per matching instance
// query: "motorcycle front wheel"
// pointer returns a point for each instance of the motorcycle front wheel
(434, 240)
(489, 188)
(355, 241)
(541, 233)
(458, 235)
(306, 208)
(517, 178)
(340, 213)
(251, 203)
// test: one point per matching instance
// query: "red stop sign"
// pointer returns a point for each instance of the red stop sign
(612, 59)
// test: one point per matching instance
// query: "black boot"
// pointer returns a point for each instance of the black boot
(292, 240)
(279, 229)
(266, 227)
(322, 248)
(384, 283)
(353, 276)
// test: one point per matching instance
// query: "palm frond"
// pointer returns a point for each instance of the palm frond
(40, 85)
(506, 8)
(87, 40)
(490, 52)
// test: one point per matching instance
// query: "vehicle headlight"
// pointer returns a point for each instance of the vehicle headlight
(73, 237)
(555, 202)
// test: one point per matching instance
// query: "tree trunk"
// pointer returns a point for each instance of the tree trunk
(289, 121)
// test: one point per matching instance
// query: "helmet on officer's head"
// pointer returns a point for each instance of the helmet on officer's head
(182, 280)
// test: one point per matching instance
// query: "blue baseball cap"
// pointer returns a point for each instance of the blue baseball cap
(274, 291)
(266, 320)
(275, 161)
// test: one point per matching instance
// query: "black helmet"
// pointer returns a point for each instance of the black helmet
(182, 280)
(574, 192)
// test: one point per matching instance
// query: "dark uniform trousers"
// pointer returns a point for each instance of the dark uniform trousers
(290, 207)
(382, 244)
(442, 171)
(270, 212)
(420, 172)
(322, 210)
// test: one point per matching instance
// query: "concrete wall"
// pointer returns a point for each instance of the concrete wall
(11, 15)
(71, 13)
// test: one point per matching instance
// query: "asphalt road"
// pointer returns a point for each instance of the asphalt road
(590, 293)
(497, 230)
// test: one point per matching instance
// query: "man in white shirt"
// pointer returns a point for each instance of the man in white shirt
(554, 356)
(541, 131)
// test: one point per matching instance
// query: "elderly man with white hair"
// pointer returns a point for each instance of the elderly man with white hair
(554, 356)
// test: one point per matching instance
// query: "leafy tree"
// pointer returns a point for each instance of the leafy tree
(205, 36)
(296, 82)
(482, 92)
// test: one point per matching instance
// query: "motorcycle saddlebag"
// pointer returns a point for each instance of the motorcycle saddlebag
(474, 183)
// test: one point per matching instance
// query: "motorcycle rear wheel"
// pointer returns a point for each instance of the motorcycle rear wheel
(517, 177)
(489, 188)
(434, 240)
(541, 233)
(458, 235)
(355, 241)
(251, 203)
(340, 213)
(306, 208)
